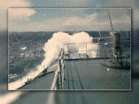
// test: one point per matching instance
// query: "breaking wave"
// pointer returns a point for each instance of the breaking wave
(52, 48)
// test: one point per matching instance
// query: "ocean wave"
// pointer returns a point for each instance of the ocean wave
(52, 48)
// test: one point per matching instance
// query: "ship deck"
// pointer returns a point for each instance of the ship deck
(43, 81)
(38, 85)
(90, 74)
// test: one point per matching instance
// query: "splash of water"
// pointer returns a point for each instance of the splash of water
(52, 49)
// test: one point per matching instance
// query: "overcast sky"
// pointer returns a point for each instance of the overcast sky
(31, 19)
(68, 19)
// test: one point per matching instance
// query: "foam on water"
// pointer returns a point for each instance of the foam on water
(52, 49)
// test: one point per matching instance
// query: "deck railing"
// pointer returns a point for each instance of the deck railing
(84, 50)
(59, 73)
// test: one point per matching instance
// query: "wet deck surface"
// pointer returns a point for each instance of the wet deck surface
(43, 82)
(38, 85)
(90, 74)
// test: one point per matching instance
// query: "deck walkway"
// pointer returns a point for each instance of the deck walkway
(90, 74)
(38, 85)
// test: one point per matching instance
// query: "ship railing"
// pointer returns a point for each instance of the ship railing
(83, 51)
(59, 73)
